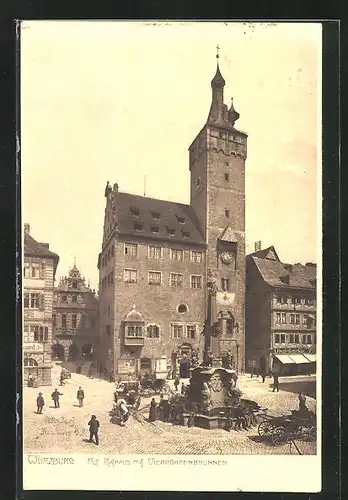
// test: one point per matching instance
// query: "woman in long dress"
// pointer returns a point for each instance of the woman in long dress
(153, 410)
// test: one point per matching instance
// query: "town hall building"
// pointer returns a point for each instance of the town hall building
(157, 256)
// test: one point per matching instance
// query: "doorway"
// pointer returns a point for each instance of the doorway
(184, 369)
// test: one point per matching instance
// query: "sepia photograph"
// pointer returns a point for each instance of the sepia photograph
(171, 255)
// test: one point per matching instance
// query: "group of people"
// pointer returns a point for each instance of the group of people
(176, 385)
(40, 402)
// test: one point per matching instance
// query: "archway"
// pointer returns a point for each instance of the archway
(73, 352)
(30, 370)
(58, 352)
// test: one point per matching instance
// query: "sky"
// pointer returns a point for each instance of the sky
(118, 101)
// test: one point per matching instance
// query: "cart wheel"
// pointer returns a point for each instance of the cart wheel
(265, 428)
(279, 436)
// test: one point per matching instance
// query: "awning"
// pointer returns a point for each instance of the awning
(284, 358)
(312, 358)
(299, 359)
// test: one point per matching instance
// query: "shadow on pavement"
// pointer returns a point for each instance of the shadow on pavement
(307, 387)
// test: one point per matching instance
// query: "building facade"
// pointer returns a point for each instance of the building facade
(39, 270)
(280, 314)
(75, 318)
(157, 255)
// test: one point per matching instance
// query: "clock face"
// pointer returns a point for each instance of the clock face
(226, 257)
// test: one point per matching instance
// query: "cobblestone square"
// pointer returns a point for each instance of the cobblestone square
(65, 429)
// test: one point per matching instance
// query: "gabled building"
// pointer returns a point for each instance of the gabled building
(39, 269)
(75, 319)
(156, 256)
(280, 314)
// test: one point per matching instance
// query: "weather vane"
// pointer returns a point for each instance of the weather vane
(217, 52)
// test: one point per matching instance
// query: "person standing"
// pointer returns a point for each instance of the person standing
(62, 378)
(165, 408)
(275, 382)
(302, 402)
(55, 396)
(40, 403)
(153, 410)
(80, 396)
(263, 375)
(93, 429)
(183, 389)
(176, 383)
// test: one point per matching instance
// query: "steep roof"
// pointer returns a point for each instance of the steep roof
(156, 219)
(33, 248)
(275, 273)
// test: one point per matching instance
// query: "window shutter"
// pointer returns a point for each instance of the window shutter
(46, 333)
(42, 302)
(42, 271)
(36, 334)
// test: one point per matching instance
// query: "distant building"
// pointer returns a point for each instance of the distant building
(280, 314)
(157, 255)
(75, 318)
(39, 270)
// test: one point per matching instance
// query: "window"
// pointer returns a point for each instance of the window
(152, 332)
(41, 334)
(282, 338)
(196, 257)
(196, 282)
(131, 249)
(297, 300)
(33, 271)
(277, 338)
(156, 215)
(34, 300)
(283, 318)
(309, 339)
(74, 285)
(227, 176)
(64, 320)
(291, 338)
(221, 135)
(27, 271)
(177, 331)
(278, 318)
(130, 276)
(191, 331)
(297, 340)
(227, 212)
(182, 308)
(74, 298)
(297, 319)
(176, 279)
(30, 362)
(185, 234)
(64, 298)
(54, 320)
(308, 301)
(229, 326)
(155, 252)
(171, 231)
(26, 300)
(145, 364)
(292, 319)
(155, 278)
(138, 226)
(225, 284)
(305, 320)
(73, 321)
(134, 331)
(304, 339)
(155, 229)
(282, 299)
(176, 254)
(181, 220)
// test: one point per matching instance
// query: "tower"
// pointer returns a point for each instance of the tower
(217, 166)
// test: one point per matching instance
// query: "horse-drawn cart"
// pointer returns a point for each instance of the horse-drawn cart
(286, 428)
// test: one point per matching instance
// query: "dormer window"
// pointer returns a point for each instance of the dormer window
(171, 231)
(155, 229)
(185, 234)
(181, 220)
(227, 176)
(156, 215)
(227, 213)
(138, 226)
(134, 211)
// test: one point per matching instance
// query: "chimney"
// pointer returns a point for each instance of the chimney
(26, 228)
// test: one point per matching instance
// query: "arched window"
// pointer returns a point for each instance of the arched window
(152, 332)
(30, 362)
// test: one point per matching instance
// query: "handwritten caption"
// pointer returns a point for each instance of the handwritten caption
(116, 462)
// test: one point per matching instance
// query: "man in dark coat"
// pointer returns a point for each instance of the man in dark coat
(40, 403)
(153, 410)
(93, 429)
(80, 396)
(55, 396)
(275, 382)
(176, 383)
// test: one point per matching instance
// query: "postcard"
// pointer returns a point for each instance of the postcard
(172, 259)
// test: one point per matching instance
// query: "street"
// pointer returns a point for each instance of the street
(65, 429)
